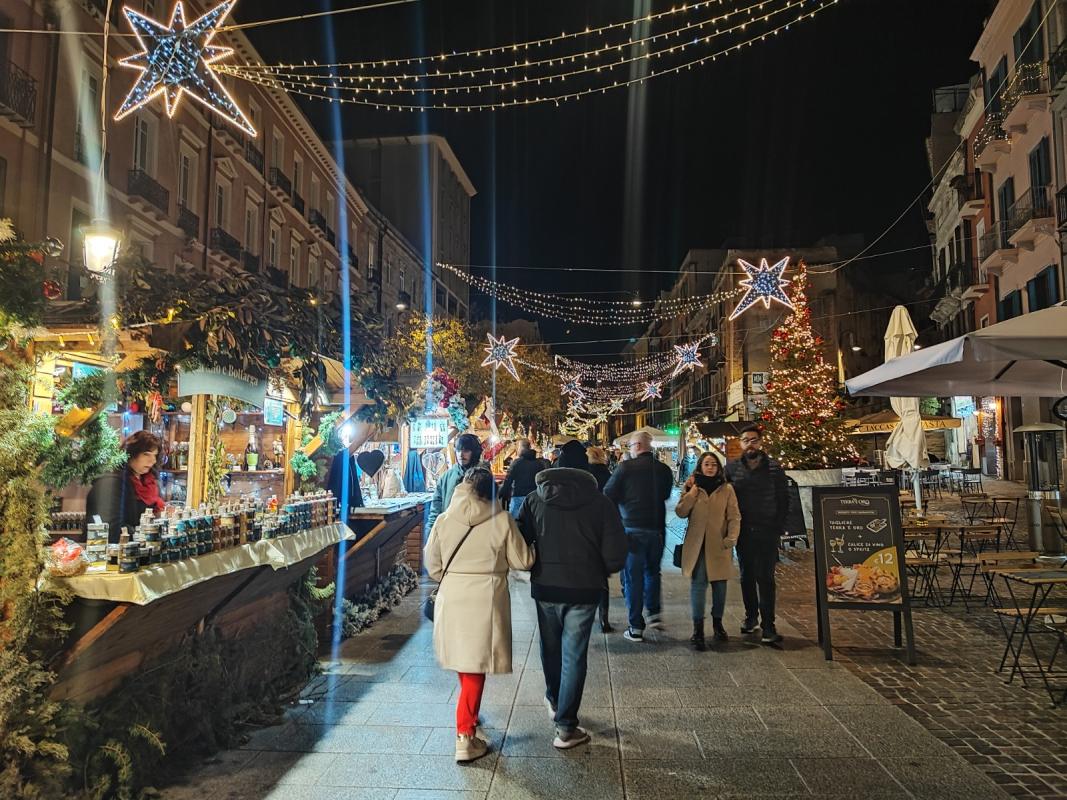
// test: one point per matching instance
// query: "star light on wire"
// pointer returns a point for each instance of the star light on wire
(764, 284)
(502, 354)
(652, 389)
(176, 59)
(573, 386)
(688, 357)
(615, 406)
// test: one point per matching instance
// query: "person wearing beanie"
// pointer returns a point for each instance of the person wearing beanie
(520, 478)
(468, 454)
(579, 540)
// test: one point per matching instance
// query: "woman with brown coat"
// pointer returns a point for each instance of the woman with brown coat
(472, 612)
(714, 525)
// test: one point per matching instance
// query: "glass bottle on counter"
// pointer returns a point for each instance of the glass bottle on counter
(252, 450)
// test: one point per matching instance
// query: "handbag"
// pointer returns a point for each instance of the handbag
(678, 556)
(429, 603)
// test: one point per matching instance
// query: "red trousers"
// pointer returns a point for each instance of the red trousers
(470, 700)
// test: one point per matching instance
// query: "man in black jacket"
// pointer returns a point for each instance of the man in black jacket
(519, 481)
(640, 487)
(763, 497)
(580, 541)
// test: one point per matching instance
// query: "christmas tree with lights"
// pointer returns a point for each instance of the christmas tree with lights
(804, 426)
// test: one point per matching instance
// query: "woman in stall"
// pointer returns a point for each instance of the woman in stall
(119, 498)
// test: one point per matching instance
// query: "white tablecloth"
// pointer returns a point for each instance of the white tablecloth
(158, 580)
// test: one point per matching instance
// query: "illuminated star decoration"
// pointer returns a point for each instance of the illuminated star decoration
(616, 406)
(652, 389)
(573, 386)
(688, 357)
(764, 284)
(502, 354)
(176, 60)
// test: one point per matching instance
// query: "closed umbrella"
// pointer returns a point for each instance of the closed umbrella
(907, 442)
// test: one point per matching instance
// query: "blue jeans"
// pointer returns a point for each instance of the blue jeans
(515, 506)
(641, 575)
(565, 630)
(698, 591)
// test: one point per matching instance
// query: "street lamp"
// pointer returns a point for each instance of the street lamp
(403, 301)
(100, 247)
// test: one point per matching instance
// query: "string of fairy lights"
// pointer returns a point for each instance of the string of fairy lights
(591, 311)
(332, 76)
(337, 92)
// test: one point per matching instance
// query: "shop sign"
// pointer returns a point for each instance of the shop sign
(225, 383)
(273, 412)
(757, 382)
(427, 432)
(735, 395)
(859, 556)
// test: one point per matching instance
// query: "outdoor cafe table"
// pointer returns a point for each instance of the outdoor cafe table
(1038, 584)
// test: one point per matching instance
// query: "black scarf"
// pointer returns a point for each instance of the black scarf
(709, 484)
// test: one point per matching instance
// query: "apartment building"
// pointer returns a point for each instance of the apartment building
(419, 183)
(190, 192)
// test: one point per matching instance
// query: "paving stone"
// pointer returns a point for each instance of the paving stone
(847, 777)
(942, 778)
(744, 777)
(550, 778)
(410, 772)
(442, 741)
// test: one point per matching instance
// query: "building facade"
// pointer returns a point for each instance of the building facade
(419, 183)
(190, 192)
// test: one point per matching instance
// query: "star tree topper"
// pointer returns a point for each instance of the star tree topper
(176, 60)
(652, 389)
(688, 357)
(502, 354)
(764, 284)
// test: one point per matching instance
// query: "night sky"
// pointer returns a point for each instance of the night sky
(816, 132)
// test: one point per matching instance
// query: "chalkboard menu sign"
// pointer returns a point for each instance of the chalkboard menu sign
(859, 555)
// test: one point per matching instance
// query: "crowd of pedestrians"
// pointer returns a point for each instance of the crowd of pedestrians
(573, 524)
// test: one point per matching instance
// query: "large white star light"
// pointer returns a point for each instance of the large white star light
(764, 284)
(502, 354)
(615, 406)
(652, 389)
(573, 386)
(176, 59)
(688, 356)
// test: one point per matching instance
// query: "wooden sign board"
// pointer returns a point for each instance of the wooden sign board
(859, 557)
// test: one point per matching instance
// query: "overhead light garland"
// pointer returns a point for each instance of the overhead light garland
(590, 311)
(332, 92)
(176, 60)
(501, 353)
(763, 284)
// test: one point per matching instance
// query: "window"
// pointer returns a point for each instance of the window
(254, 114)
(313, 272)
(251, 217)
(3, 185)
(329, 210)
(88, 113)
(997, 78)
(142, 145)
(1005, 199)
(298, 174)
(1041, 178)
(1044, 290)
(1028, 42)
(186, 177)
(403, 281)
(75, 250)
(984, 321)
(277, 150)
(1012, 305)
(316, 189)
(294, 261)
(273, 243)
(222, 205)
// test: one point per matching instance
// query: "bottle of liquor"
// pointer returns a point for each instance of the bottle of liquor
(251, 450)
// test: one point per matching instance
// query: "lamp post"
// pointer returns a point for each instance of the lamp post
(100, 248)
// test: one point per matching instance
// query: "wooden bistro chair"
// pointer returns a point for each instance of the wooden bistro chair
(922, 559)
(976, 506)
(1005, 512)
(964, 561)
(990, 562)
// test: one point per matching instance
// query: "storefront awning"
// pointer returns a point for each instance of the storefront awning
(886, 421)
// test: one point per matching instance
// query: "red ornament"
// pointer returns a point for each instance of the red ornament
(133, 407)
(51, 289)
(38, 256)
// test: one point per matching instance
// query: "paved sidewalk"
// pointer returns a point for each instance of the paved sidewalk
(742, 720)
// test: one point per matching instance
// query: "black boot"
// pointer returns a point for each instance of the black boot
(697, 639)
(720, 631)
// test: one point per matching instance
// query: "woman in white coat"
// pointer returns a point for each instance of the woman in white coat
(714, 525)
(472, 613)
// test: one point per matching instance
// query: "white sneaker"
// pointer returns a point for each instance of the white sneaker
(469, 748)
(565, 740)
(633, 635)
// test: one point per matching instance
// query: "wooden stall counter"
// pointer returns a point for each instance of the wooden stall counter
(120, 621)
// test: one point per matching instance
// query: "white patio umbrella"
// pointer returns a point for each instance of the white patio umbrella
(907, 442)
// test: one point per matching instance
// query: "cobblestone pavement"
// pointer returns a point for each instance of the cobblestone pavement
(742, 720)
(1009, 732)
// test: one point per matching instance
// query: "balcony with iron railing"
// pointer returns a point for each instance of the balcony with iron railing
(991, 142)
(1030, 81)
(254, 156)
(1027, 214)
(18, 94)
(298, 203)
(280, 181)
(141, 184)
(995, 249)
(188, 222)
(317, 220)
(331, 237)
(1057, 68)
(971, 194)
(249, 261)
(224, 243)
(1061, 208)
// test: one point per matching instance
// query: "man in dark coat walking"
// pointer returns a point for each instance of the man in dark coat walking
(468, 454)
(763, 497)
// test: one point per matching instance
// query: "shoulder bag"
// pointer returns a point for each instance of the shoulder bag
(428, 604)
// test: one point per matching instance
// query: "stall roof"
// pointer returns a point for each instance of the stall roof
(659, 438)
(721, 430)
(886, 421)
